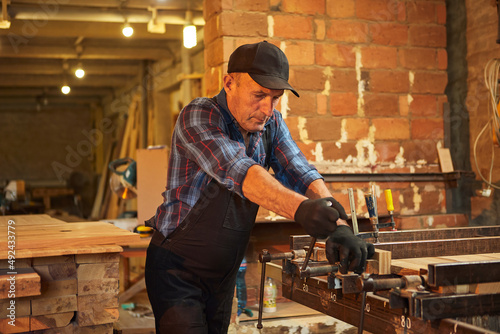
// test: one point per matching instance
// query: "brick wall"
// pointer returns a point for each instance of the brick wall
(481, 35)
(371, 75)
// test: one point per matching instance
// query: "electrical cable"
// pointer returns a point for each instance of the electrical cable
(491, 72)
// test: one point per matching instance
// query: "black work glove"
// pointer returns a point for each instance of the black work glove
(319, 216)
(351, 251)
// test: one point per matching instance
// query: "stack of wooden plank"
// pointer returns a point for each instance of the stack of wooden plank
(67, 275)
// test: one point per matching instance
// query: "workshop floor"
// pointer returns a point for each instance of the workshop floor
(290, 318)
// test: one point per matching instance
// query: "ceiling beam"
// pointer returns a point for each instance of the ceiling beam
(144, 4)
(73, 13)
(61, 29)
(55, 66)
(20, 49)
(10, 80)
(53, 91)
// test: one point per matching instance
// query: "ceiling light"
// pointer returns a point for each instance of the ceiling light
(79, 72)
(127, 30)
(4, 19)
(65, 89)
(189, 36)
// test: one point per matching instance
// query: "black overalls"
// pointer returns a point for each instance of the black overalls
(191, 274)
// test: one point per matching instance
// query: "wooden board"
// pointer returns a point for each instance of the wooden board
(26, 282)
(34, 232)
(415, 266)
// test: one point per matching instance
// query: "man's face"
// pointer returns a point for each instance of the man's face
(251, 104)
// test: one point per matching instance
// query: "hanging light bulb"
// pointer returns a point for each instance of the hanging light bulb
(189, 36)
(189, 32)
(79, 72)
(127, 30)
(65, 89)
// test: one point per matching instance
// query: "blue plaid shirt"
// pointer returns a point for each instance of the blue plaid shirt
(207, 145)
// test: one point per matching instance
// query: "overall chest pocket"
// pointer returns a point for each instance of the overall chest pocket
(240, 214)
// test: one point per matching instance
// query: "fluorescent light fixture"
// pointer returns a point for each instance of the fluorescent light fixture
(127, 30)
(65, 89)
(189, 36)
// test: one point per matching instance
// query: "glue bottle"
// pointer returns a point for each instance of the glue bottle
(270, 294)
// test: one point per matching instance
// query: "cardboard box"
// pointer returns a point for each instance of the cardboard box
(152, 166)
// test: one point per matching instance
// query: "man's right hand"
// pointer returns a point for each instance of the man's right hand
(351, 251)
(319, 216)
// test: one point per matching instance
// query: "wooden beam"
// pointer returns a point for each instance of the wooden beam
(25, 49)
(90, 30)
(10, 80)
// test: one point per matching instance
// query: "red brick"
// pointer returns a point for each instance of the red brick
(442, 59)
(441, 13)
(449, 220)
(423, 105)
(300, 53)
(340, 9)
(304, 7)
(357, 128)
(344, 80)
(416, 150)
(389, 81)
(333, 152)
(213, 80)
(421, 12)
(307, 78)
(391, 128)
(381, 104)
(304, 106)
(319, 29)
(293, 122)
(292, 26)
(335, 55)
(379, 57)
(393, 34)
(347, 31)
(342, 104)
(432, 201)
(428, 36)
(387, 151)
(429, 82)
(322, 128)
(322, 103)
(427, 129)
(408, 222)
(211, 8)
(213, 53)
(243, 24)
(251, 5)
(377, 10)
(211, 30)
(418, 58)
(403, 105)
(307, 150)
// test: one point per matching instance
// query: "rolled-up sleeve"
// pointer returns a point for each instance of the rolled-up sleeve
(205, 142)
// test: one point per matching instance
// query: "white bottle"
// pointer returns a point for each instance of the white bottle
(270, 294)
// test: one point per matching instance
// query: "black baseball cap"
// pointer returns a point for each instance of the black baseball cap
(264, 62)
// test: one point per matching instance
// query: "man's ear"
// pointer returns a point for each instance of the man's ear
(228, 82)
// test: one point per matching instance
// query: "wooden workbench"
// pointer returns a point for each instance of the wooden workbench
(66, 275)
(460, 268)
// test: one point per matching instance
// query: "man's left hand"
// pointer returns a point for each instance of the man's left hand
(351, 251)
